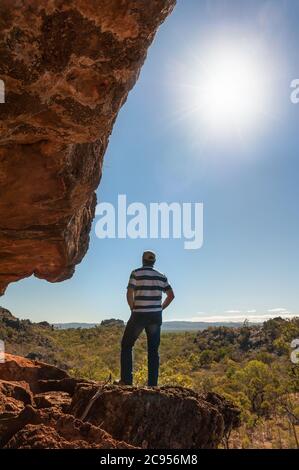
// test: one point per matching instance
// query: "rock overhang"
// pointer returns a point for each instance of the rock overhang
(68, 67)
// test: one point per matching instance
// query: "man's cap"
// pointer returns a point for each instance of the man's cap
(149, 256)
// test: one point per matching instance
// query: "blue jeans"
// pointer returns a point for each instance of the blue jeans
(151, 322)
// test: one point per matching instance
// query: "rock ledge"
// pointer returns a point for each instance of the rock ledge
(55, 412)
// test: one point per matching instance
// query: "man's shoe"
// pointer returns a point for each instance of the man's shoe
(120, 382)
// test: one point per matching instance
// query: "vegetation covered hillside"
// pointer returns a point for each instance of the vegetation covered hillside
(250, 365)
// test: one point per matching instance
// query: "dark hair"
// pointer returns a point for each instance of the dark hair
(148, 263)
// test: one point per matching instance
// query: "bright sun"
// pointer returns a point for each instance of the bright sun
(229, 93)
(227, 89)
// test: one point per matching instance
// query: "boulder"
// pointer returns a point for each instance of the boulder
(17, 368)
(68, 385)
(39, 429)
(159, 418)
(39, 437)
(13, 397)
(63, 412)
(60, 401)
(17, 390)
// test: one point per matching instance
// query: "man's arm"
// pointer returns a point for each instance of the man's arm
(130, 290)
(169, 298)
(130, 297)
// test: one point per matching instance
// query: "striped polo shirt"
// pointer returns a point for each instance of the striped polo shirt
(148, 285)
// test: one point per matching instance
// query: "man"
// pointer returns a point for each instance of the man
(144, 296)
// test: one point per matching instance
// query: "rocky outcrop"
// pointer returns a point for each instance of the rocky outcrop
(31, 340)
(13, 397)
(67, 67)
(59, 401)
(158, 418)
(45, 437)
(74, 413)
(16, 368)
(50, 430)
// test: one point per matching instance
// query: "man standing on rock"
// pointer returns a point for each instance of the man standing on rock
(144, 296)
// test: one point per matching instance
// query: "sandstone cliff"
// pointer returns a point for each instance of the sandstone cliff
(68, 66)
(41, 407)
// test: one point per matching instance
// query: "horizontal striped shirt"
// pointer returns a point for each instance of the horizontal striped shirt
(148, 285)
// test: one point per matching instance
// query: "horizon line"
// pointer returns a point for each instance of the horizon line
(258, 320)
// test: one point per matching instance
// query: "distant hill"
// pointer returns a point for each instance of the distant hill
(68, 326)
(191, 326)
(167, 325)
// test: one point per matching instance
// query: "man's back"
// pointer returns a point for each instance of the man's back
(148, 285)
(144, 295)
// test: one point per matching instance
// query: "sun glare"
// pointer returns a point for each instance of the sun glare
(230, 94)
(226, 90)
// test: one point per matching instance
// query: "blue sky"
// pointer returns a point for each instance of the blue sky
(248, 265)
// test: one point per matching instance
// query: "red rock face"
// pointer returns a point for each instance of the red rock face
(67, 67)
(58, 412)
(20, 369)
(45, 437)
(157, 418)
(13, 397)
